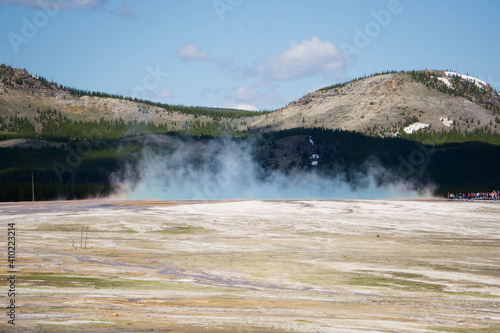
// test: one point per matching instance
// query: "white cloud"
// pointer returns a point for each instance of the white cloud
(125, 10)
(191, 52)
(248, 96)
(58, 4)
(86, 4)
(308, 58)
(165, 93)
(244, 93)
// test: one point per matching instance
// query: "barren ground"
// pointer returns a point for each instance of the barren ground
(254, 266)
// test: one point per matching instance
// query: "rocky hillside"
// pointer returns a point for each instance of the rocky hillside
(23, 95)
(385, 104)
(380, 105)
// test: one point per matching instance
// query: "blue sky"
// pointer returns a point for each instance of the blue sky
(243, 53)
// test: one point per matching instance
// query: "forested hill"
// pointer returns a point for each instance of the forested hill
(32, 106)
(394, 103)
(433, 107)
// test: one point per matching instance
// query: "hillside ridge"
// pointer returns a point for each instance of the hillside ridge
(385, 104)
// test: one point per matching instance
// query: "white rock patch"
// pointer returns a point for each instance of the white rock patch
(415, 127)
(446, 122)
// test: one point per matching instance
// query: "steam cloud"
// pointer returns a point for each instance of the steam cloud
(225, 169)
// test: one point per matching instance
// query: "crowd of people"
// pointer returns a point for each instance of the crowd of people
(493, 195)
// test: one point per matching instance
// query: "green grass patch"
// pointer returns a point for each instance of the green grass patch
(493, 271)
(65, 227)
(407, 275)
(65, 281)
(471, 293)
(446, 268)
(54, 280)
(60, 227)
(374, 281)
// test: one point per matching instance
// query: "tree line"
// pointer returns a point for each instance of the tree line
(214, 113)
(80, 168)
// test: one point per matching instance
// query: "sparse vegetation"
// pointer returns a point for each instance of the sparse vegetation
(338, 86)
(216, 114)
(462, 88)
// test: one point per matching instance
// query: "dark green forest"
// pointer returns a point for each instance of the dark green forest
(452, 167)
(57, 127)
(81, 167)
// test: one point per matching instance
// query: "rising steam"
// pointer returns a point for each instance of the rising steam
(225, 169)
